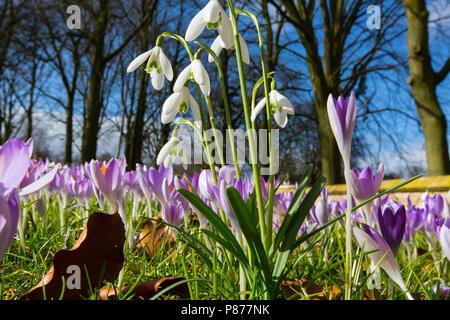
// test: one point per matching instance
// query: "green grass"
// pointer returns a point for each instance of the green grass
(322, 266)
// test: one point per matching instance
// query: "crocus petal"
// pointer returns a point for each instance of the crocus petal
(335, 124)
(139, 61)
(370, 240)
(444, 238)
(6, 228)
(350, 116)
(39, 184)
(14, 163)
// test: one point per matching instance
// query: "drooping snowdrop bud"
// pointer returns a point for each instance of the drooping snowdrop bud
(197, 72)
(179, 102)
(171, 151)
(212, 16)
(158, 66)
(280, 107)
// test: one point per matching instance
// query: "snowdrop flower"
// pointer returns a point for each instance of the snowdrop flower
(170, 152)
(197, 72)
(280, 107)
(179, 102)
(219, 44)
(158, 66)
(211, 16)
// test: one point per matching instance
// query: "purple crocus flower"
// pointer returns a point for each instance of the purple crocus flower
(342, 117)
(320, 212)
(434, 205)
(392, 226)
(109, 180)
(369, 239)
(173, 213)
(206, 184)
(444, 291)
(151, 181)
(415, 219)
(364, 184)
(14, 163)
(131, 182)
(9, 218)
(82, 189)
(443, 234)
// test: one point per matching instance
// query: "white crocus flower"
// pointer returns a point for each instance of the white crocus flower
(171, 151)
(211, 16)
(179, 102)
(219, 44)
(280, 107)
(158, 66)
(197, 72)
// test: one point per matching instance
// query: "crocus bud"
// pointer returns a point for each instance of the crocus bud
(364, 185)
(392, 226)
(342, 117)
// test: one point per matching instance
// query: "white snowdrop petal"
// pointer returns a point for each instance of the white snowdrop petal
(182, 78)
(196, 26)
(138, 61)
(258, 108)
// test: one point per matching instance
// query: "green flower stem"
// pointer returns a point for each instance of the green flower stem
(225, 104)
(348, 233)
(206, 142)
(219, 146)
(251, 141)
(191, 57)
(268, 240)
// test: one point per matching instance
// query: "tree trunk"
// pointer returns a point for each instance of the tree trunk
(135, 151)
(423, 81)
(94, 100)
(69, 129)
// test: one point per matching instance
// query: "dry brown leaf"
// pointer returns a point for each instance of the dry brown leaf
(99, 250)
(292, 287)
(153, 236)
(146, 290)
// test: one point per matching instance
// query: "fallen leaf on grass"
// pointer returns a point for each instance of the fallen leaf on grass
(314, 291)
(154, 235)
(98, 250)
(146, 290)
